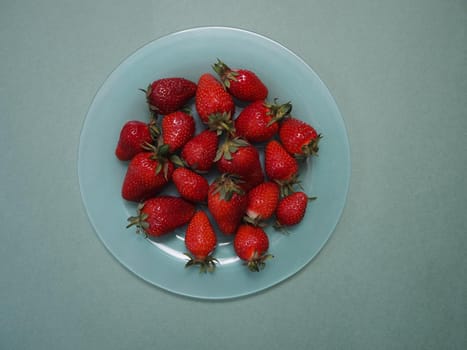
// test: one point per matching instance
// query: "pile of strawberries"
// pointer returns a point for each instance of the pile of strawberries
(243, 196)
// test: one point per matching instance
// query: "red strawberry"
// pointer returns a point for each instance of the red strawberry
(177, 129)
(190, 185)
(253, 179)
(227, 203)
(147, 174)
(262, 202)
(160, 215)
(258, 121)
(291, 209)
(241, 83)
(201, 240)
(133, 136)
(251, 244)
(239, 157)
(212, 101)
(298, 137)
(280, 166)
(167, 95)
(200, 151)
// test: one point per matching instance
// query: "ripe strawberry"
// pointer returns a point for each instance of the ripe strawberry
(299, 138)
(200, 151)
(280, 166)
(253, 179)
(257, 122)
(201, 240)
(241, 83)
(251, 244)
(168, 95)
(160, 215)
(133, 135)
(291, 209)
(262, 202)
(239, 157)
(147, 174)
(227, 203)
(177, 129)
(190, 185)
(212, 101)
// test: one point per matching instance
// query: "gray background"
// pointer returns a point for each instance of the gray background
(393, 275)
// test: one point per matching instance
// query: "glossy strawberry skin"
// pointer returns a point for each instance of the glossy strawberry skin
(247, 86)
(211, 98)
(177, 129)
(279, 164)
(200, 151)
(244, 162)
(133, 135)
(163, 214)
(298, 137)
(142, 179)
(241, 83)
(190, 185)
(200, 237)
(168, 95)
(227, 213)
(250, 242)
(262, 201)
(291, 209)
(252, 123)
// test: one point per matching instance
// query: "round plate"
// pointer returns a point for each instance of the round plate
(189, 54)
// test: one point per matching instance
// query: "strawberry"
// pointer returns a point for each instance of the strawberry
(200, 151)
(299, 138)
(177, 129)
(147, 174)
(251, 244)
(253, 179)
(160, 215)
(291, 209)
(241, 83)
(262, 202)
(257, 122)
(168, 95)
(214, 105)
(201, 240)
(133, 135)
(237, 156)
(280, 166)
(227, 203)
(190, 185)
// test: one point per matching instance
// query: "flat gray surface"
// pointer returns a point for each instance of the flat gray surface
(393, 275)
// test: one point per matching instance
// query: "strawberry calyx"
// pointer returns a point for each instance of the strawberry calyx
(178, 161)
(309, 149)
(227, 185)
(255, 221)
(225, 73)
(139, 220)
(257, 262)
(277, 111)
(160, 154)
(206, 264)
(152, 109)
(221, 123)
(288, 186)
(154, 129)
(231, 145)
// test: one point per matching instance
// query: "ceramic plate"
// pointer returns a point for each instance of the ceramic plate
(188, 54)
